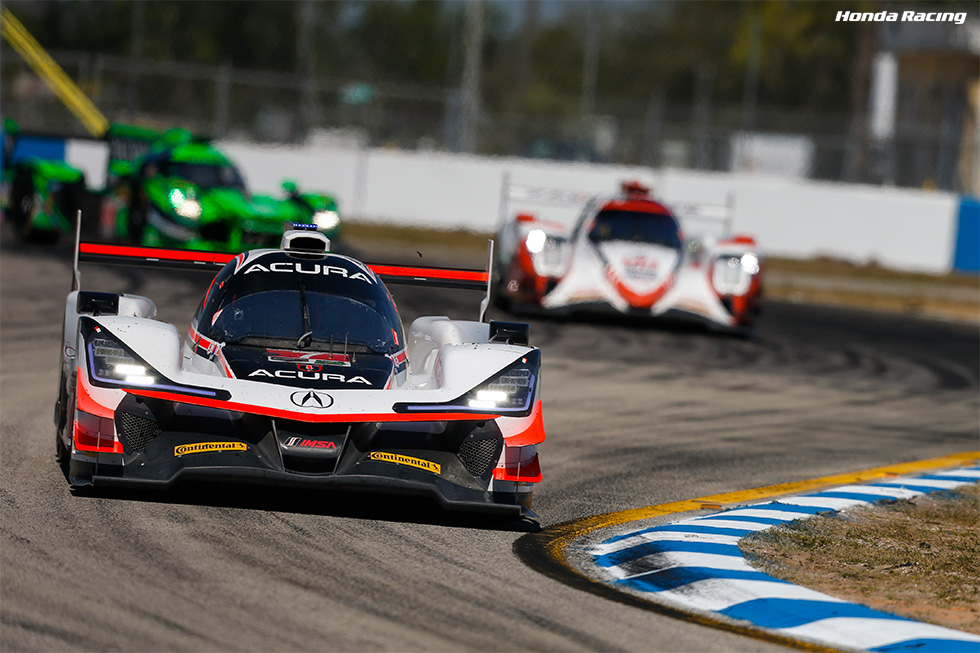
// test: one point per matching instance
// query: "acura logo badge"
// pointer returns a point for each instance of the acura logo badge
(311, 399)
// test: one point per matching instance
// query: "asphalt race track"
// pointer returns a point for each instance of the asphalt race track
(635, 416)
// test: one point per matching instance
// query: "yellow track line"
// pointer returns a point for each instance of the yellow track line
(545, 551)
(719, 501)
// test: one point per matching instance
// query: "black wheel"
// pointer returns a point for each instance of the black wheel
(61, 453)
(137, 217)
(21, 206)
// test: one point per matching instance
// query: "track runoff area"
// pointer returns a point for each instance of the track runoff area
(663, 559)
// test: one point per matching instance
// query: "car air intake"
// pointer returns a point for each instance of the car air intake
(478, 456)
(138, 431)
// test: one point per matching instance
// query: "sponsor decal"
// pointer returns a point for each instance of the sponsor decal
(308, 268)
(311, 399)
(308, 376)
(399, 459)
(310, 444)
(208, 447)
(308, 361)
(640, 266)
(906, 17)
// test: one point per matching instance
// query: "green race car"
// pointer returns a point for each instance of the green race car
(184, 192)
(40, 195)
(163, 189)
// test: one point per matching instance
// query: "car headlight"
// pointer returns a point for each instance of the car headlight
(185, 205)
(547, 253)
(732, 275)
(535, 240)
(326, 219)
(509, 392)
(111, 364)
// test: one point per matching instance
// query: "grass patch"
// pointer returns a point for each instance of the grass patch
(918, 558)
(919, 304)
(825, 266)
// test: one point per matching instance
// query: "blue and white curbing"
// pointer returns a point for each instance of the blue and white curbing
(696, 565)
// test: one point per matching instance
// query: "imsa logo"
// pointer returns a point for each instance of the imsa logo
(208, 447)
(399, 459)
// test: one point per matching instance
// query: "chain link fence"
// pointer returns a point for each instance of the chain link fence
(271, 107)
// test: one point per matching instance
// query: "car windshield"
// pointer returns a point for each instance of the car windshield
(282, 300)
(206, 175)
(266, 318)
(637, 227)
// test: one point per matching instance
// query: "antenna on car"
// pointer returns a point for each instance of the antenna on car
(485, 302)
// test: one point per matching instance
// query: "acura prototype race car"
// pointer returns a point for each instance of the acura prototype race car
(296, 371)
(627, 254)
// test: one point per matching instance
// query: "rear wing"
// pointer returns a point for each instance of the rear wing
(722, 214)
(543, 195)
(183, 259)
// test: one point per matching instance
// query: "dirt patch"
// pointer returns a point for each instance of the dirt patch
(917, 558)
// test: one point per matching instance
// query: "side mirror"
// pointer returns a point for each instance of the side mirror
(289, 187)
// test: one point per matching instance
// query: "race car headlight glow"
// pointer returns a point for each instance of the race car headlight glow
(732, 275)
(750, 263)
(547, 253)
(109, 362)
(112, 364)
(510, 392)
(535, 240)
(185, 205)
(326, 219)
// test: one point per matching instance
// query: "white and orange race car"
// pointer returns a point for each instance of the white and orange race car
(296, 371)
(627, 253)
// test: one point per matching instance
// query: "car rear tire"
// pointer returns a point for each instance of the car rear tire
(137, 219)
(61, 453)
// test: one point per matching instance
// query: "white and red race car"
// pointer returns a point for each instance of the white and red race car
(627, 253)
(296, 372)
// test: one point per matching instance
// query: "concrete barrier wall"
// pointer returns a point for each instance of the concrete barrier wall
(899, 228)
